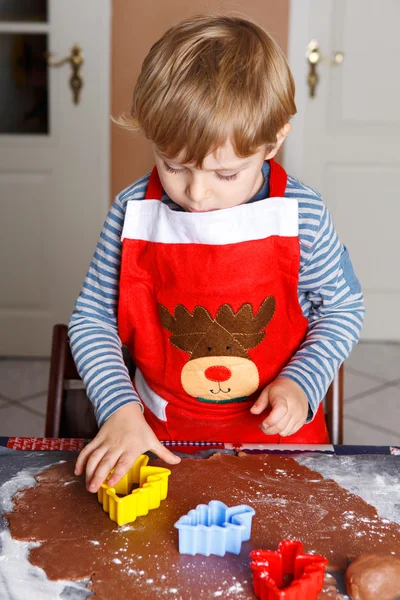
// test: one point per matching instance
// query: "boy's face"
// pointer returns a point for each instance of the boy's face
(225, 180)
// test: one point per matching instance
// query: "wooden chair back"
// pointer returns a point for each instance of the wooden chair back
(70, 413)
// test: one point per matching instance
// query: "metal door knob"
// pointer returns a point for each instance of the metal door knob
(75, 59)
(313, 57)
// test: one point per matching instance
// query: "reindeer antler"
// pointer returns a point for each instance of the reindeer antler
(244, 322)
(183, 321)
(245, 327)
(187, 329)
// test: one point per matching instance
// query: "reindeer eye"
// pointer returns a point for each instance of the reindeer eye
(209, 348)
(228, 347)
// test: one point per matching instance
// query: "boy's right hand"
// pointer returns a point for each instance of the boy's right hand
(120, 441)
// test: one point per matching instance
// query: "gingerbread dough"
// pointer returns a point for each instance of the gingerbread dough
(141, 560)
(373, 576)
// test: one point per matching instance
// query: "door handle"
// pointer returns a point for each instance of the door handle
(313, 57)
(75, 59)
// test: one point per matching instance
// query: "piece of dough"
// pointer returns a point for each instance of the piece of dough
(373, 577)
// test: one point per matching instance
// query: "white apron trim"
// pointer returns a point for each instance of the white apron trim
(153, 401)
(153, 221)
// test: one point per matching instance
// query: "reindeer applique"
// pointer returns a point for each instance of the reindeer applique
(219, 369)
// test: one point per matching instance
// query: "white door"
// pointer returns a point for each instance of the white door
(54, 163)
(346, 140)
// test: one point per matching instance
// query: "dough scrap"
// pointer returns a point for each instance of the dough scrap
(373, 577)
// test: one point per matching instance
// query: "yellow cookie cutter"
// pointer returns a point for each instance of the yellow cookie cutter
(153, 487)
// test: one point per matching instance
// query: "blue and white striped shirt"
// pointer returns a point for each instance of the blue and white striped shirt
(328, 291)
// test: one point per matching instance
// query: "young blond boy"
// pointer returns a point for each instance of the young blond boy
(224, 277)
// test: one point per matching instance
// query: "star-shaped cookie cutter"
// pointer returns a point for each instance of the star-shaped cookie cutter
(214, 528)
(273, 570)
(139, 491)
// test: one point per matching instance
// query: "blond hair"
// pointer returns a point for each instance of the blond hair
(210, 79)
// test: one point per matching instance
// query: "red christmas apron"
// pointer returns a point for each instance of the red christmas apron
(208, 308)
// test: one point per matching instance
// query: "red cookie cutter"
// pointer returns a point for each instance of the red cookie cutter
(287, 574)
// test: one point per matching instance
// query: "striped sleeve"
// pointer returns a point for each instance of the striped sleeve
(330, 297)
(93, 329)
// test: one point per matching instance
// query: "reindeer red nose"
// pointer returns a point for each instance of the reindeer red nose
(218, 373)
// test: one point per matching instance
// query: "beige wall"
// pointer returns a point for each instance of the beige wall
(136, 26)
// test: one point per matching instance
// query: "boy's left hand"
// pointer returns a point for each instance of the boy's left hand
(288, 404)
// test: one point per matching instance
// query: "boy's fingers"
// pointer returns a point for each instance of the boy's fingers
(93, 461)
(289, 428)
(278, 428)
(278, 412)
(292, 428)
(100, 474)
(123, 465)
(165, 454)
(261, 403)
(83, 457)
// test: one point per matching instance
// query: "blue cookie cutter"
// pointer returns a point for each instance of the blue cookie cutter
(214, 528)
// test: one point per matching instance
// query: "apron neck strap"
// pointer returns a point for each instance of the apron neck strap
(277, 182)
(277, 179)
(154, 188)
